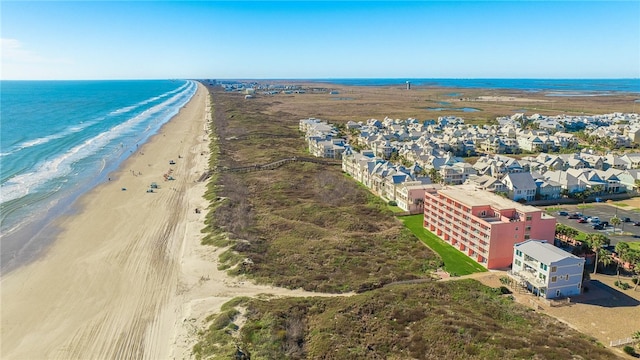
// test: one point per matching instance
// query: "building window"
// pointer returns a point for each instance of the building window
(528, 218)
(526, 228)
(516, 228)
(554, 269)
(554, 279)
(527, 237)
(518, 253)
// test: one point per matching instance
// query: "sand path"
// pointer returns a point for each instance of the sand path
(127, 277)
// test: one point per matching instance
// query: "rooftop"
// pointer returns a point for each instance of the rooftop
(544, 252)
(469, 195)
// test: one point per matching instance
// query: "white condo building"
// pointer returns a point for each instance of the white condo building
(545, 270)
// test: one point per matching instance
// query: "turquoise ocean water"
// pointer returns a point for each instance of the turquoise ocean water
(59, 139)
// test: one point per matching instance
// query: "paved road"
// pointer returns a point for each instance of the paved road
(605, 213)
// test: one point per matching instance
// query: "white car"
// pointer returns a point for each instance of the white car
(594, 220)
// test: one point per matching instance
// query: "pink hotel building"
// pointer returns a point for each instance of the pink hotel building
(482, 225)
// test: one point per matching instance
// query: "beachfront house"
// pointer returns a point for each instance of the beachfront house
(545, 270)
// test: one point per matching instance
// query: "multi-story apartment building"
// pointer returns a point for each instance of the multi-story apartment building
(546, 270)
(411, 196)
(482, 225)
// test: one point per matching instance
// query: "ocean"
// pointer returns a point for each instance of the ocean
(557, 87)
(58, 139)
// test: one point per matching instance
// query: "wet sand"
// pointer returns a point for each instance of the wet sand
(113, 269)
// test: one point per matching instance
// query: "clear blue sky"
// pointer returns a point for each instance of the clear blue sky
(418, 39)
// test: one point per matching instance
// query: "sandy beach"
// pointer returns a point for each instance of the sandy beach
(127, 276)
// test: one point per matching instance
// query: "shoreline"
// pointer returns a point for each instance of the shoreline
(30, 225)
(97, 290)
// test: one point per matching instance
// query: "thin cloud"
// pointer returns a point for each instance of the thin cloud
(13, 51)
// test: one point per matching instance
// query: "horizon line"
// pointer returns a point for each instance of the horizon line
(339, 78)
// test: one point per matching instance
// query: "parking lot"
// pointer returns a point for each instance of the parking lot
(605, 213)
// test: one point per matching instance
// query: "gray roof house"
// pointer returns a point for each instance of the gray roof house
(545, 270)
(520, 186)
(567, 181)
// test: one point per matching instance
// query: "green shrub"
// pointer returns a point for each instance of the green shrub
(622, 285)
(504, 290)
(630, 350)
(393, 203)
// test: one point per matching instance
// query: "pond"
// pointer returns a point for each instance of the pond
(463, 109)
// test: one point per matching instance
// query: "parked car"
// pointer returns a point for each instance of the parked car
(605, 223)
(574, 216)
(637, 223)
(583, 220)
(598, 226)
(626, 219)
(563, 213)
(594, 220)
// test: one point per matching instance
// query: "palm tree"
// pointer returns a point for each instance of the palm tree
(581, 196)
(633, 256)
(622, 250)
(435, 176)
(595, 242)
(615, 221)
(565, 232)
(597, 189)
(561, 230)
(604, 258)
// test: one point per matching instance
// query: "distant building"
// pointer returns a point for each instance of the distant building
(482, 225)
(545, 270)
(411, 195)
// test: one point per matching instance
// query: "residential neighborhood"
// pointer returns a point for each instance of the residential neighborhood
(483, 208)
(434, 153)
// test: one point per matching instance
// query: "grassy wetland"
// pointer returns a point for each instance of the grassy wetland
(306, 225)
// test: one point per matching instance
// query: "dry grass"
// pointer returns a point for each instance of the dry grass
(451, 320)
(302, 225)
(395, 102)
